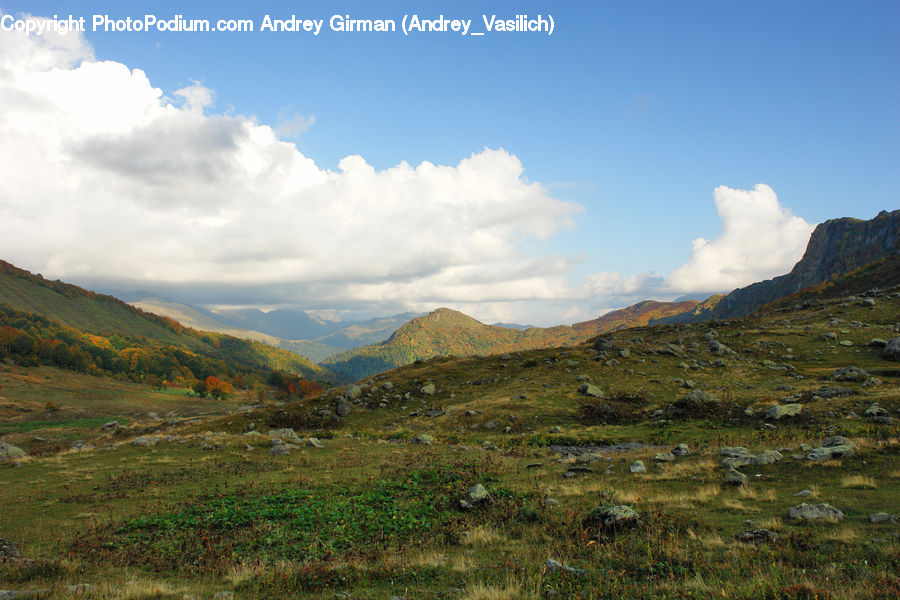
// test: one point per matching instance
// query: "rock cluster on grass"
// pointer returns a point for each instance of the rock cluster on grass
(738, 456)
(850, 374)
(814, 512)
(757, 536)
(834, 447)
(8, 550)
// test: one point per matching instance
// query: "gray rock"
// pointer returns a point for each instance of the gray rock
(717, 347)
(624, 353)
(811, 512)
(611, 517)
(476, 495)
(783, 410)
(591, 390)
(850, 374)
(757, 536)
(343, 409)
(876, 411)
(387, 386)
(286, 433)
(314, 443)
(353, 392)
(423, 438)
(696, 400)
(891, 350)
(882, 517)
(804, 493)
(110, 426)
(427, 389)
(555, 565)
(681, 450)
(10, 452)
(834, 447)
(281, 449)
(555, 429)
(664, 457)
(735, 478)
(637, 467)
(150, 440)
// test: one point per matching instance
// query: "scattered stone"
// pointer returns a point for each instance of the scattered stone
(427, 389)
(717, 347)
(353, 392)
(590, 390)
(287, 432)
(881, 517)
(534, 465)
(10, 452)
(850, 374)
(735, 478)
(783, 410)
(343, 409)
(387, 386)
(834, 447)
(757, 536)
(150, 440)
(846, 343)
(434, 412)
(804, 493)
(876, 411)
(281, 449)
(810, 512)
(110, 426)
(611, 518)
(555, 429)
(314, 443)
(696, 400)
(664, 457)
(834, 392)
(476, 495)
(681, 450)
(637, 467)
(892, 350)
(555, 565)
(624, 353)
(423, 438)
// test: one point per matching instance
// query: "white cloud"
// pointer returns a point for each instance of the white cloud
(293, 126)
(760, 239)
(107, 180)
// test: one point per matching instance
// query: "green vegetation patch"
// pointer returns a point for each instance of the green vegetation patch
(304, 524)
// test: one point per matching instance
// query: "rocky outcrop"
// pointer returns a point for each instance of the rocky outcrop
(835, 248)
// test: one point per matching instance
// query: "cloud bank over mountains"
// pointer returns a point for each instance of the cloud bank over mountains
(108, 180)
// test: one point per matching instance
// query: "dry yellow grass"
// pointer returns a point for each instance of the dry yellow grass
(482, 536)
(738, 506)
(511, 589)
(859, 482)
(773, 523)
(685, 469)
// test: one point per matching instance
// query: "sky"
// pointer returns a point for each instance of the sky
(640, 150)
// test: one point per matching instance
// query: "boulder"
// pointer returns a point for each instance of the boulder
(783, 410)
(834, 447)
(314, 443)
(611, 518)
(876, 411)
(664, 457)
(882, 517)
(286, 432)
(110, 426)
(423, 438)
(757, 536)
(476, 495)
(428, 389)
(850, 374)
(891, 350)
(591, 390)
(343, 409)
(735, 478)
(353, 392)
(681, 450)
(10, 452)
(717, 347)
(812, 512)
(637, 467)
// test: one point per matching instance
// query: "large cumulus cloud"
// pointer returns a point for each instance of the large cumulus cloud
(106, 179)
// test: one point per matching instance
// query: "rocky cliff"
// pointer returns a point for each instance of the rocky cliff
(835, 248)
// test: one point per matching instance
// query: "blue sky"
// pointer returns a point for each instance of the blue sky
(635, 112)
